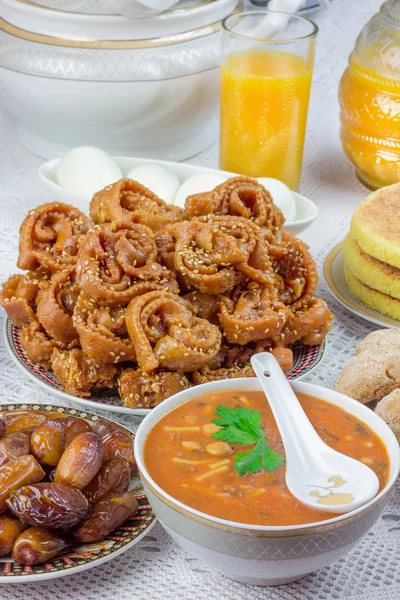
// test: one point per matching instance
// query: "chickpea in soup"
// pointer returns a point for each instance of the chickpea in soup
(185, 460)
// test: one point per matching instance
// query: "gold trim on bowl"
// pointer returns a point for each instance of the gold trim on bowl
(346, 301)
(73, 12)
(48, 40)
(312, 529)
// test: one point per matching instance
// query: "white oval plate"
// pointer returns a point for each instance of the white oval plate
(334, 277)
(85, 556)
(305, 358)
(306, 210)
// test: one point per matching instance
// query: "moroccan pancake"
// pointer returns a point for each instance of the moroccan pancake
(376, 225)
(371, 271)
(381, 302)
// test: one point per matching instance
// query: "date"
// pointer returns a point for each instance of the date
(22, 420)
(80, 461)
(13, 446)
(2, 428)
(106, 515)
(74, 427)
(117, 443)
(50, 505)
(36, 545)
(48, 442)
(50, 439)
(114, 475)
(10, 529)
(16, 473)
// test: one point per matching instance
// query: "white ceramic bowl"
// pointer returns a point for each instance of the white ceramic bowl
(108, 81)
(94, 27)
(257, 554)
(306, 210)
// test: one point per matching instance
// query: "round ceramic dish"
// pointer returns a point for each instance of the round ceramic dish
(81, 557)
(334, 277)
(306, 210)
(305, 358)
(257, 554)
(153, 95)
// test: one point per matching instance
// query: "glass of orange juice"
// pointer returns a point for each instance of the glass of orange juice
(266, 69)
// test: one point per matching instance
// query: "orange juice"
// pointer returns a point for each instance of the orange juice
(370, 120)
(264, 101)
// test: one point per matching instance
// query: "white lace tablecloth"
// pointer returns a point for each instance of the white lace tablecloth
(156, 568)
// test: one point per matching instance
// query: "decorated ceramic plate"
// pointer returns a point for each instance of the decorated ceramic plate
(81, 557)
(305, 358)
(334, 277)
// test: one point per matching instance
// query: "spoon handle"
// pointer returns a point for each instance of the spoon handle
(288, 412)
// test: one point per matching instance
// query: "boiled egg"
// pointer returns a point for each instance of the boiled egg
(281, 195)
(156, 178)
(203, 182)
(86, 170)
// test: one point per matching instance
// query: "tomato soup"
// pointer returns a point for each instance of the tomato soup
(185, 460)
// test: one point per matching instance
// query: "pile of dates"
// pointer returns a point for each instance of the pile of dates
(63, 482)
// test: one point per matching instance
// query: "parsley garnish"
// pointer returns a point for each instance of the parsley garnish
(242, 426)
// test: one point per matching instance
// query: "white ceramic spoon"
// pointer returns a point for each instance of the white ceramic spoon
(273, 22)
(316, 474)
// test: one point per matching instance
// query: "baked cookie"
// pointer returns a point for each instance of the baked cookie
(369, 376)
(389, 410)
(382, 339)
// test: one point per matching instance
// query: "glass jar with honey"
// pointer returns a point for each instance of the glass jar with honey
(369, 95)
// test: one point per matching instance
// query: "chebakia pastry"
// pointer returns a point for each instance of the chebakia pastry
(129, 201)
(295, 271)
(117, 261)
(141, 389)
(241, 197)
(102, 331)
(56, 303)
(19, 294)
(166, 333)
(79, 373)
(256, 315)
(50, 236)
(152, 299)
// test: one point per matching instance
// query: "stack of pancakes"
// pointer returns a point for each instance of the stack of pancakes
(372, 251)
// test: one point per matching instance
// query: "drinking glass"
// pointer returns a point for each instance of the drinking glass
(266, 69)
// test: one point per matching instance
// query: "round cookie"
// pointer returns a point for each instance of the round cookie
(369, 376)
(389, 410)
(381, 339)
(376, 225)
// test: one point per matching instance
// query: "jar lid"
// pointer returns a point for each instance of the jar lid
(83, 29)
(377, 48)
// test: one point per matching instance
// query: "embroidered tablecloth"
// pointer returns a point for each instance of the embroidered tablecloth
(156, 568)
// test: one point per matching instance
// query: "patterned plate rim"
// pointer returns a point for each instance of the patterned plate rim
(72, 561)
(305, 359)
(350, 301)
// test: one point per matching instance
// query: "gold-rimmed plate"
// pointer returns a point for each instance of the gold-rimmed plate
(334, 277)
(80, 557)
